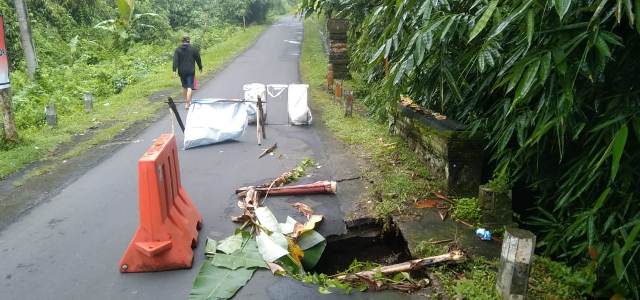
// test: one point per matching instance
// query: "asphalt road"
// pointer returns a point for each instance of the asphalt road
(68, 247)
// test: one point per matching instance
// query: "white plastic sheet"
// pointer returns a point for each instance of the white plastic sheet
(251, 93)
(299, 112)
(213, 121)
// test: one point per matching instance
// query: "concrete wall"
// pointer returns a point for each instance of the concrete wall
(450, 155)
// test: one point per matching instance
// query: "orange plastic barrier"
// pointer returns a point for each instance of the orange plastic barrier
(169, 222)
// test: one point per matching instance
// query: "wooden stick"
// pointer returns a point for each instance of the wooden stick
(268, 150)
(259, 128)
(451, 257)
(320, 187)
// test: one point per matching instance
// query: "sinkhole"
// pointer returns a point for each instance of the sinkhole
(366, 243)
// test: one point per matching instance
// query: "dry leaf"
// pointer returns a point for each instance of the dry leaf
(296, 252)
(303, 209)
(275, 268)
(428, 203)
(299, 229)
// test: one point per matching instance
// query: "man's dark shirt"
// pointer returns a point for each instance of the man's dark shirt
(185, 58)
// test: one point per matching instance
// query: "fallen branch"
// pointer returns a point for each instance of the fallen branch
(268, 150)
(348, 179)
(320, 187)
(451, 257)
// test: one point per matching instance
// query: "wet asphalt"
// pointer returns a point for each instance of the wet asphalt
(69, 246)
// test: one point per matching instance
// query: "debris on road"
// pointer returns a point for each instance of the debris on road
(286, 177)
(268, 150)
(483, 234)
(319, 187)
(455, 256)
(293, 248)
(261, 242)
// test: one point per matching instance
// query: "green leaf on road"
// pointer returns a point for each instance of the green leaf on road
(313, 245)
(267, 219)
(210, 248)
(218, 283)
(234, 242)
(246, 257)
(269, 249)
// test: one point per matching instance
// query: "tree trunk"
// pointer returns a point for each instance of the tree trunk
(10, 132)
(26, 39)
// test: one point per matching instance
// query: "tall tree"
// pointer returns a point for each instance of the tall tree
(26, 39)
(10, 132)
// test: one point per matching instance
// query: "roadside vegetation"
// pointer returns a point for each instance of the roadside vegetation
(552, 89)
(395, 176)
(398, 178)
(118, 51)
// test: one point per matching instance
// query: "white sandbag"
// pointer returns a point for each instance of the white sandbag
(213, 121)
(251, 93)
(299, 112)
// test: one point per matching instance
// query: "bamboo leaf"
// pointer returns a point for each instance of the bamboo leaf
(545, 67)
(527, 81)
(619, 141)
(562, 6)
(630, 239)
(600, 200)
(510, 18)
(377, 54)
(636, 5)
(530, 26)
(629, 11)
(484, 19)
(452, 84)
(481, 62)
(618, 265)
(602, 47)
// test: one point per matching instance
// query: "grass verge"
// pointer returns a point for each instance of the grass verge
(397, 177)
(113, 114)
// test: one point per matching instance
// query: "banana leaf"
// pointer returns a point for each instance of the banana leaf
(218, 283)
(246, 257)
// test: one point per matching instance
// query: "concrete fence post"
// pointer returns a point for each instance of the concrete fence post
(515, 264)
(51, 115)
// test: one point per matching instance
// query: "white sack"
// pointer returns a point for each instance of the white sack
(213, 121)
(251, 93)
(299, 113)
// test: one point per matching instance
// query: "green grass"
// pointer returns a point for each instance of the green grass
(114, 113)
(468, 210)
(476, 279)
(398, 176)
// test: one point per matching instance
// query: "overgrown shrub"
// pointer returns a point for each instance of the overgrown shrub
(553, 88)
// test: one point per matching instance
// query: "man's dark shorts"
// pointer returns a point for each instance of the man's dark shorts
(187, 80)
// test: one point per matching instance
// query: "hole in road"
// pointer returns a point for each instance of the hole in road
(368, 243)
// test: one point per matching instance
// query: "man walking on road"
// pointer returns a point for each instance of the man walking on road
(184, 63)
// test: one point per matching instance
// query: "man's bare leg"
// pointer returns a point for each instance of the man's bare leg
(188, 95)
(184, 96)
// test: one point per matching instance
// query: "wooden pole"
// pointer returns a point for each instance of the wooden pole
(320, 187)
(348, 105)
(261, 133)
(453, 256)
